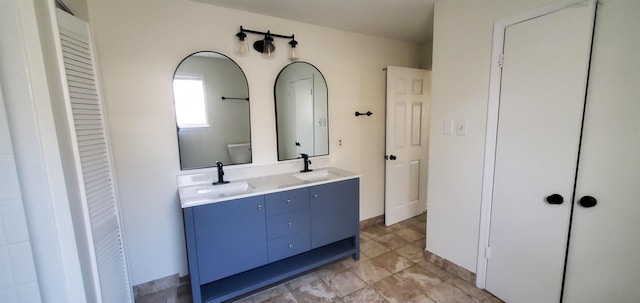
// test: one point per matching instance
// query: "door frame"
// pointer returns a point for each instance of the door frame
(491, 135)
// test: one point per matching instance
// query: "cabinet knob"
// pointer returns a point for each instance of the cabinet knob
(290, 245)
(315, 195)
(259, 206)
(289, 201)
(290, 224)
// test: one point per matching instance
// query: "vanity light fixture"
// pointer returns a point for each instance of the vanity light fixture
(242, 45)
(293, 52)
(265, 46)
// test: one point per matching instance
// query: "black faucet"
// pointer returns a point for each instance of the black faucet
(220, 174)
(306, 160)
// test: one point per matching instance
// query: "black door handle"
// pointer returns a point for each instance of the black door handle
(392, 157)
(297, 143)
(555, 199)
(588, 201)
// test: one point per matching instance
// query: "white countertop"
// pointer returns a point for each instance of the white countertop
(206, 193)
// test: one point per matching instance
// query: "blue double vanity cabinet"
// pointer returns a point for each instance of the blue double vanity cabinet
(246, 235)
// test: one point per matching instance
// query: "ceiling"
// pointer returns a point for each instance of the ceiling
(406, 20)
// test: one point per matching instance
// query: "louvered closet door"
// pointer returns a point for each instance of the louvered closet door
(93, 155)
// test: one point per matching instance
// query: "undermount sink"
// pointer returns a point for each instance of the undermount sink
(229, 189)
(315, 175)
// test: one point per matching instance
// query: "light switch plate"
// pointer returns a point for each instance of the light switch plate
(461, 128)
(447, 127)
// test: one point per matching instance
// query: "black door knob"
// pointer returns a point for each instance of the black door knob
(392, 157)
(555, 199)
(588, 201)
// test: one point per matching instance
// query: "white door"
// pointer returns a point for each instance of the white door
(298, 132)
(408, 93)
(545, 66)
(304, 115)
(604, 247)
(287, 133)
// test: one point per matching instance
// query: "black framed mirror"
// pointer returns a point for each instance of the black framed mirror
(211, 97)
(301, 103)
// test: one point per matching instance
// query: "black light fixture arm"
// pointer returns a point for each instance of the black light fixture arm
(267, 33)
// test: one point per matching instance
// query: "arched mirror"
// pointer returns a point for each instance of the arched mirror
(301, 111)
(211, 98)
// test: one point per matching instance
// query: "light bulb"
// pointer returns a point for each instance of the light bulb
(243, 48)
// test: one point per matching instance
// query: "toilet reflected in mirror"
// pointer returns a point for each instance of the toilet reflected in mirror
(239, 153)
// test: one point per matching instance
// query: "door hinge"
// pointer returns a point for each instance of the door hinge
(501, 60)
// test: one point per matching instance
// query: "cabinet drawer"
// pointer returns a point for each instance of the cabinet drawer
(287, 201)
(287, 223)
(289, 245)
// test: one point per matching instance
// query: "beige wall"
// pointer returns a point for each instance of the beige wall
(426, 52)
(461, 59)
(139, 45)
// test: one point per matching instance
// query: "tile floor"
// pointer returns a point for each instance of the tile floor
(391, 269)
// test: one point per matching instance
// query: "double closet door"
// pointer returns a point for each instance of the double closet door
(564, 213)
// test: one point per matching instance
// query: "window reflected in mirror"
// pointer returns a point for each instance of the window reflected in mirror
(190, 102)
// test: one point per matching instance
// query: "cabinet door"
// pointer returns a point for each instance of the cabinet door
(231, 237)
(334, 212)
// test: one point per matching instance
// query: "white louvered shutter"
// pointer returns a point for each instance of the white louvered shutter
(93, 154)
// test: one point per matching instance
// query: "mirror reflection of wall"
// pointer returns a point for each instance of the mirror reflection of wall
(301, 111)
(211, 129)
